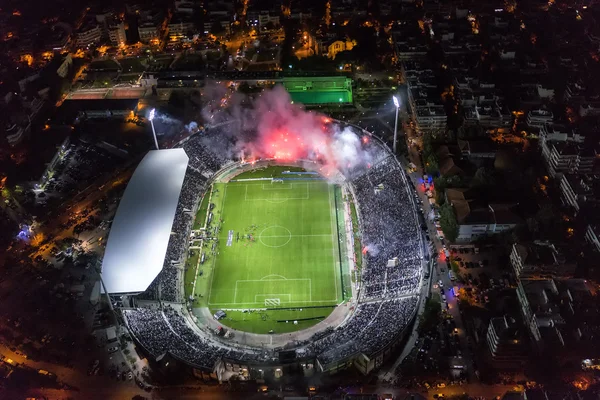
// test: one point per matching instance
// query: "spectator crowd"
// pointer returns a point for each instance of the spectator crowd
(389, 291)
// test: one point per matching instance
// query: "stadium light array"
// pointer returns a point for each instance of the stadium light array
(397, 104)
(151, 119)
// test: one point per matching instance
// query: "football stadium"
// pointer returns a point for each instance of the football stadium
(295, 247)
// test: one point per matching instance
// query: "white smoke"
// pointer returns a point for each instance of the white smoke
(192, 127)
(270, 125)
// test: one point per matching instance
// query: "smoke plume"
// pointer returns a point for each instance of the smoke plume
(272, 126)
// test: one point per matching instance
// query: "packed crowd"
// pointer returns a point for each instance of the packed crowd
(209, 150)
(389, 295)
(372, 328)
(166, 330)
(170, 280)
(389, 231)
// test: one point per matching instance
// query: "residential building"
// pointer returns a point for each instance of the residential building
(477, 219)
(538, 118)
(332, 47)
(589, 110)
(180, 27)
(431, 118)
(579, 189)
(260, 18)
(506, 342)
(89, 33)
(56, 38)
(560, 133)
(150, 25)
(102, 109)
(116, 33)
(592, 235)
(65, 66)
(148, 32)
(567, 157)
(540, 260)
(477, 149)
(185, 7)
(488, 114)
(15, 133)
(559, 316)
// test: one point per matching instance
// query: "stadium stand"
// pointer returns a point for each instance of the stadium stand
(388, 297)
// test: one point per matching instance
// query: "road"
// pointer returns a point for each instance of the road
(440, 272)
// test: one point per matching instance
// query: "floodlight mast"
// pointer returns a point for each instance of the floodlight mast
(397, 105)
(151, 119)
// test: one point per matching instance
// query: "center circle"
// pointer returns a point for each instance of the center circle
(275, 236)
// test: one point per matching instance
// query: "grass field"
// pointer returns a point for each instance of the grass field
(278, 253)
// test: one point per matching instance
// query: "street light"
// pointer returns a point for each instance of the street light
(151, 119)
(397, 104)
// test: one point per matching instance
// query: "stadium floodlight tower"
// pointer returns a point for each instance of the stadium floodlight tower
(397, 105)
(151, 119)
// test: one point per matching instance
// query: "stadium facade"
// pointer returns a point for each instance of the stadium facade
(380, 314)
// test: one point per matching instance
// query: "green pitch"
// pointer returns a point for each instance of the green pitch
(278, 252)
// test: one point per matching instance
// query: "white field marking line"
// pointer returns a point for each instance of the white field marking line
(271, 187)
(303, 302)
(288, 236)
(241, 183)
(272, 280)
(333, 238)
(266, 280)
(278, 200)
(272, 302)
(276, 236)
(283, 199)
(214, 259)
(267, 276)
(272, 295)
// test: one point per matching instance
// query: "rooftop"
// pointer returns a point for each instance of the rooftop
(140, 233)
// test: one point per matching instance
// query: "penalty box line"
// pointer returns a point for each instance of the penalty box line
(271, 280)
(305, 197)
(272, 296)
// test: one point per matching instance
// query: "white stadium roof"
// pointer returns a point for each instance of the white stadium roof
(139, 235)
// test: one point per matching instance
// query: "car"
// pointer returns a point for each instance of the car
(129, 375)
(441, 283)
(112, 349)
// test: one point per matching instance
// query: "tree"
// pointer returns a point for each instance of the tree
(448, 222)
(430, 318)
(441, 183)
(177, 100)
(431, 164)
(216, 28)
(484, 177)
